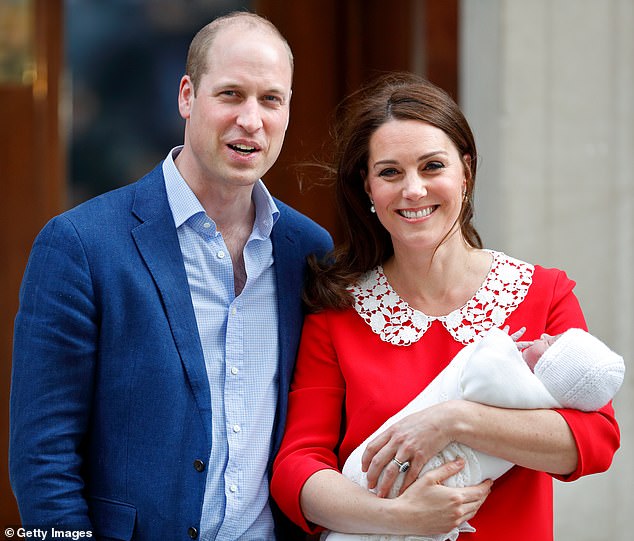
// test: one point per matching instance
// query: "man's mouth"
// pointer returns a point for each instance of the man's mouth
(243, 149)
(421, 213)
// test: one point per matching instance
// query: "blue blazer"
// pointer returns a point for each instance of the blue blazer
(110, 404)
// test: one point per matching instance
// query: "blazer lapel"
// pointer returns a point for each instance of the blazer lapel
(289, 267)
(157, 241)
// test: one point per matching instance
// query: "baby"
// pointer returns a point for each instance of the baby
(571, 370)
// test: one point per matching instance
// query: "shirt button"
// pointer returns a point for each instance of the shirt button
(234, 310)
(220, 254)
(206, 225)
(234, 370)
(199, 465)
(192, 532)
(236, 428)
(233, 488)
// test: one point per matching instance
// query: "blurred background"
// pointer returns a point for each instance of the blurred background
(88, 102)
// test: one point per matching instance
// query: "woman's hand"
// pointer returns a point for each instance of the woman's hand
(432, 508)
(425, 508)
(414, 439)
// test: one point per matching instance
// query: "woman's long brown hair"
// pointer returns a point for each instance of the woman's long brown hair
(366, 243)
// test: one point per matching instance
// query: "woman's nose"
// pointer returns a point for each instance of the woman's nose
(414, 187)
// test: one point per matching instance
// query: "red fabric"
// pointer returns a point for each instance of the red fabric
(342, 359)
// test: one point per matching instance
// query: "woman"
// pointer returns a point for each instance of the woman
(409, 288)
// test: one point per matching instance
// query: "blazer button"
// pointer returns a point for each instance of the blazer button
(192, 532)
(199, 465)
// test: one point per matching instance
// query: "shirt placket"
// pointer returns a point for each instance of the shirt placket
(235, 417)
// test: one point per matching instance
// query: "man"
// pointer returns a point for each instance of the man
(159, 323)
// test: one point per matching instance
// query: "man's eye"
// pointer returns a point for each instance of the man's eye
(273, 99)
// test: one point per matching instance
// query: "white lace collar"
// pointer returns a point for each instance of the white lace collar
(389, 316)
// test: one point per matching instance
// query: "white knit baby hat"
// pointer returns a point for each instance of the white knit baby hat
(580, 371)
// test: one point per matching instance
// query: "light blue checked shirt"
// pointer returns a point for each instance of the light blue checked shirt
(240, 345)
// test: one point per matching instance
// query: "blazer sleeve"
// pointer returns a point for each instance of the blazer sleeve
(55, 338)
(597, 433)
(314, 419)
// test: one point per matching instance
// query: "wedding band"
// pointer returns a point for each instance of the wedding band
(402, 466)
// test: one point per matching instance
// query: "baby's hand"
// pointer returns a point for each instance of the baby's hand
(516, 336)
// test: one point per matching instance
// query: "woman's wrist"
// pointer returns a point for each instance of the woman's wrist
(458, 420)
(331, 500)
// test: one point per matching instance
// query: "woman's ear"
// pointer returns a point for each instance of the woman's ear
(466, 163)
(366, 187)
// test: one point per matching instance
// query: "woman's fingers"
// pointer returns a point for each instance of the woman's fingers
(372, 449)
(380, 460)
(474, 497)
(387, 478)
(417, 464)
(444, 472)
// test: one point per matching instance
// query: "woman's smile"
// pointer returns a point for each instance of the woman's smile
(412, 214)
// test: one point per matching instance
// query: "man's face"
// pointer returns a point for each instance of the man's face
(237, 119)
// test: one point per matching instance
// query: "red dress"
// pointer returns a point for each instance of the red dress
(370, 361)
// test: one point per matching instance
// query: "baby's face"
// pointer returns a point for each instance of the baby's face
(536, 349)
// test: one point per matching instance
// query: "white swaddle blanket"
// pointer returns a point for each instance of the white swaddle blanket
(490, 371)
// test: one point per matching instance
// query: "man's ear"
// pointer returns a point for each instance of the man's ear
(185, 96)
(288, 114)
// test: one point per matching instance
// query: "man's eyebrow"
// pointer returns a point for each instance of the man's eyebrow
(232, 85)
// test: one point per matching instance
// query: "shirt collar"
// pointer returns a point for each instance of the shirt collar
(184, 204)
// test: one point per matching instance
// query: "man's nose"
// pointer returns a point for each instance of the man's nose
(249, 117)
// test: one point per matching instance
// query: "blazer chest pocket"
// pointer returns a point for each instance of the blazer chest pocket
(111, 519)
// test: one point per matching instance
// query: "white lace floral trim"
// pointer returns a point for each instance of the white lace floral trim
(389, 316)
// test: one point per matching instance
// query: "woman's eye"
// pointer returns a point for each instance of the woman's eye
(389, 172)
(433, 166)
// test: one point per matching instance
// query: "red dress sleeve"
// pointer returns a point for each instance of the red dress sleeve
(551, 307)
(596, 433)
(314, 419)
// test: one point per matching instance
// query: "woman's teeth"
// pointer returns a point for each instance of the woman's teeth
(411, 214)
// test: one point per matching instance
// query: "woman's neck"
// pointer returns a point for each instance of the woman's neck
(440, 282)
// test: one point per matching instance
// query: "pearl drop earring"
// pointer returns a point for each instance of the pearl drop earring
(372, 209)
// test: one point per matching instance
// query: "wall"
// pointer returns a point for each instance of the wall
(548, 87)
(31, 172)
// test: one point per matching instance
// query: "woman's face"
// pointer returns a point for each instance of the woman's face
(416, 180)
